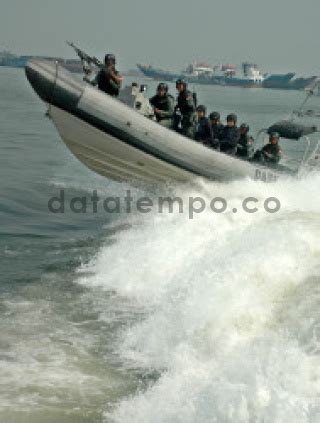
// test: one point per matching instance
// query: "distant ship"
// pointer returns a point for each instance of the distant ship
(13, 61)
(226, 75)
(288, 81)
(202, 73)
(158, 74)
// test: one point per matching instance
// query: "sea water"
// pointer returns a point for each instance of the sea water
(154, 317)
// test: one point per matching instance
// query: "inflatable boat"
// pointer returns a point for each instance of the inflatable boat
(114, 138)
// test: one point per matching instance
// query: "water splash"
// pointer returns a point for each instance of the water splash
(229, 304)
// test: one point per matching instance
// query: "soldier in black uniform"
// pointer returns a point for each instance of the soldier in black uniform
(187, 107)
(217, 129)
(163, 105)
(203, 127)
(108, 78)
(245, 144)
(230, 136)
(271, 153)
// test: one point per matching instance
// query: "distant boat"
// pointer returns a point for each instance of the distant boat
(226, 75)
(202, 73)
(158, 74)
(8, 59)
(11, 60)
(288, 82)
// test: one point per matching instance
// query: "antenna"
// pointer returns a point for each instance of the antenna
(310, 92)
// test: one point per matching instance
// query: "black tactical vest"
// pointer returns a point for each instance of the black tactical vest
(107, 84)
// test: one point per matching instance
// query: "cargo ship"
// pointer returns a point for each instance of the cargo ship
(226, 75)
(202, 73)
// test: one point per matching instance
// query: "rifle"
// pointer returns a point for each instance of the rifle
(86, 59)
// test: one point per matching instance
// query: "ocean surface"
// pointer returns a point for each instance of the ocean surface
(157, 317)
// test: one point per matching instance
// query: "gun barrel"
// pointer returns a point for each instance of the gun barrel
(84, 56)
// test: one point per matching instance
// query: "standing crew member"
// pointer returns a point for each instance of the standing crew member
(186, 105)
(203, 128)
(245, 144)
(230, 136)
(217, 129)
(108, 78)
(163, 105)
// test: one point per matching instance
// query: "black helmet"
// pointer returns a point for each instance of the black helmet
(201, 108)
(245, 126)
(181, 81)
(214, 116)
(163, 86)
(110, 59)
(232, 117)
(274, 135)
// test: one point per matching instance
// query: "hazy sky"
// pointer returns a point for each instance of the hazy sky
(279, 35)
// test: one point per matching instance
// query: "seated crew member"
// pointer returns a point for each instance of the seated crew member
(163, 105)
(245, 144)
(230, 136)
(108, 78)
(203, 128)
(186, 106)
(217, 129)
(271, 153)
